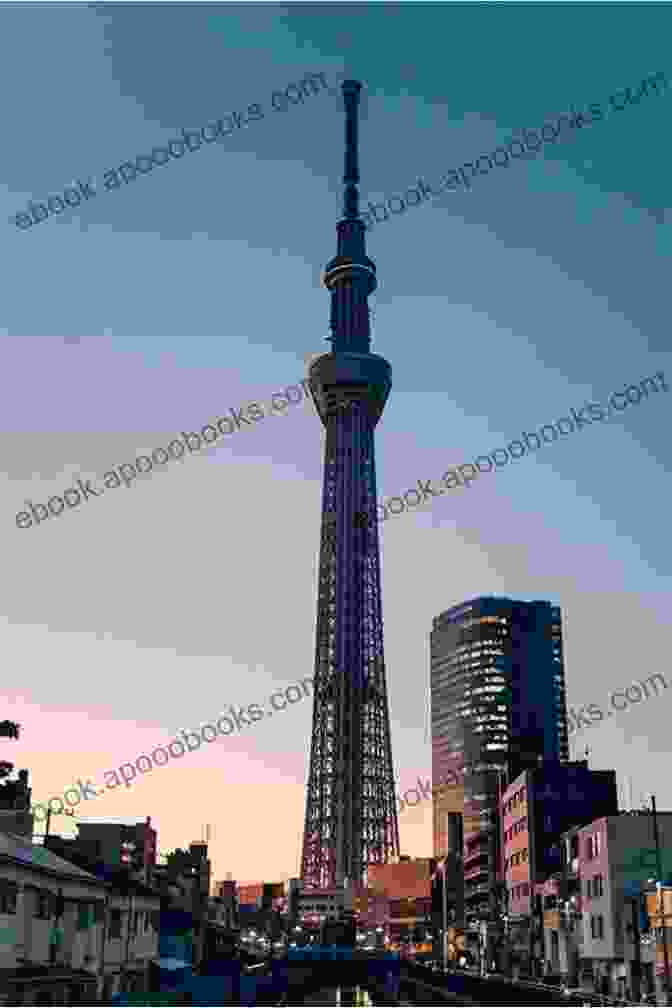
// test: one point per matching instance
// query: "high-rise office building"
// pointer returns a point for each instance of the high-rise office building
(351, 814)
(498, 707)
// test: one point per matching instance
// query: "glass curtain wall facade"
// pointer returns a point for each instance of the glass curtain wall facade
(498, 705)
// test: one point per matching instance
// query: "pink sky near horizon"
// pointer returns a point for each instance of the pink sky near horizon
(53, 769)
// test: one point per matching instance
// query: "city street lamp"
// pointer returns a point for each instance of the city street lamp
(569, 913)
(661, 899)
(441, 870)
(506, 920)
(444, 904)
(50, 812)
(483, 947)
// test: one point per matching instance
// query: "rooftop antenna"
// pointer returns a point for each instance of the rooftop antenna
(350, 323)
(351, 90)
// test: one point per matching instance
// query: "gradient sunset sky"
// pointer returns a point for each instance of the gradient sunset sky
(147, 311)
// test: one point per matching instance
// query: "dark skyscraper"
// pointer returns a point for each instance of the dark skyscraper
(351, 817)
(498, 706)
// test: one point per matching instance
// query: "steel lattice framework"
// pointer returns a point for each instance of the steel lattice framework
(351, 818)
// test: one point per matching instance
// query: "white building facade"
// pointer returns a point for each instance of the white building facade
(66, 937)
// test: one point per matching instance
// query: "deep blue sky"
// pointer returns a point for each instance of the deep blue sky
(149, 310)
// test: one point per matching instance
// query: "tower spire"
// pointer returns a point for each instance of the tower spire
(351, 91)
(350, 275)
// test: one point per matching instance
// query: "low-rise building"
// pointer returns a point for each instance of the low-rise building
(223, 906)
(317, 905)
(659, 920)
(400, 901)
(250, 894)
(51, 917)
(591, 923)
(535, 810)
(261, 906)
(293, 889)
(68, 936)
(128, 842)
(184, 882)
(132, 936)
(448, 903)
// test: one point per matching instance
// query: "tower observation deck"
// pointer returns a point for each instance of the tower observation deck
(351, 817)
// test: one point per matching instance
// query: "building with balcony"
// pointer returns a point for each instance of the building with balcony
(132, 940)
(68, 936)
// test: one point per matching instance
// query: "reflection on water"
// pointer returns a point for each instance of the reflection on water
(352, 996)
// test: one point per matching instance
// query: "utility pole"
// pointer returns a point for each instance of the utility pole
(103, 937)
(661, 898)
(637, 964)
(128, 940)
(500, 879)
(440, 870)
(444, 904)
(68, 812)
(56, 930)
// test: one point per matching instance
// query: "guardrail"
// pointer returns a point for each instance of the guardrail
(593, 997)
(474, 984)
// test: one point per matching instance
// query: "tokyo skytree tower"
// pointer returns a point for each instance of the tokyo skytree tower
(351, 816)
